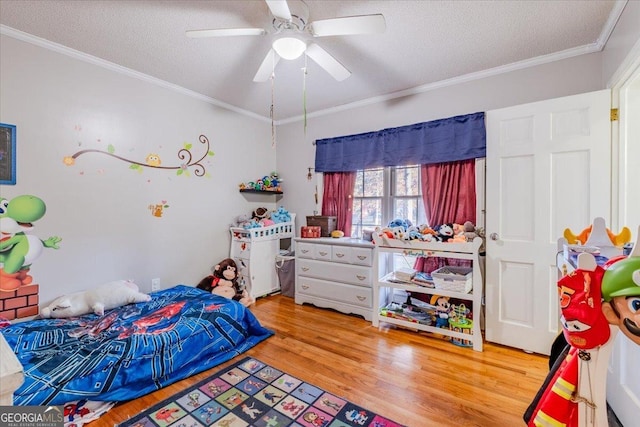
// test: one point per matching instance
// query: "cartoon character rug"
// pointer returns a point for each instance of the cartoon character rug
(252, 393)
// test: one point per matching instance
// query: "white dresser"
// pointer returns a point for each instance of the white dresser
(335, 273)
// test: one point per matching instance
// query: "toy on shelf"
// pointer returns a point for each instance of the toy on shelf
(270, 182)
(459, 322)
(404, 231)
(262, 217)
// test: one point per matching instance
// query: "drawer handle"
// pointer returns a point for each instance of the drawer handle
(304, 251)
(323, 253)
(362, 257)
(339, 255)
(305, 268)
(361, 277)
(305, 287)
(361, 298)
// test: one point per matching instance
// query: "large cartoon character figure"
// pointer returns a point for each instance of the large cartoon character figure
(583, 322)
(621, 294)
(18, 249)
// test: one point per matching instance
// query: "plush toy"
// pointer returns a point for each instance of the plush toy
(104, 297)
(280, 215)
(399, 233)
(445, 232)
(443, 308)
(224, 282)
(241, 220)
(260, 213)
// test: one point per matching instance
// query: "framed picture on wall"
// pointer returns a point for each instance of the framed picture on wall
(7, 154)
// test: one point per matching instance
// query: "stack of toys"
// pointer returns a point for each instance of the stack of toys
(270, 182)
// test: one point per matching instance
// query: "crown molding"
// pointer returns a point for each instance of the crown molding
(597, 46)
(29, 38)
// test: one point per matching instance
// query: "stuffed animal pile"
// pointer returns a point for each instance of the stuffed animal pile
(262, 217)
(403, 229)
(266, 183)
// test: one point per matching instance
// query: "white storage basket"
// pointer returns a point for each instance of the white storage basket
(455, 279)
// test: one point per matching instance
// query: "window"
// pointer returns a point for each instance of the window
(384, 194)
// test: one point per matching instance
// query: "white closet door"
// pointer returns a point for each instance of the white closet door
(623, 380)
(548, 168)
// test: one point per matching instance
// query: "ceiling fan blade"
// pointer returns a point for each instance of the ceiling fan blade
(222, 32)
(328, 62)
(349, 25)
(279, 9)
(268, 65)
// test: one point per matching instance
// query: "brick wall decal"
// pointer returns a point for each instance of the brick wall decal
(19, 303)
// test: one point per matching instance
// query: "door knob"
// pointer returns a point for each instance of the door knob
(494, 236)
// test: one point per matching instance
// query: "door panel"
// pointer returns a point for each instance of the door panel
(548, 168)
(623, 379)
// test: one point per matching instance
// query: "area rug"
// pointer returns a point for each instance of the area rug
(252, 393)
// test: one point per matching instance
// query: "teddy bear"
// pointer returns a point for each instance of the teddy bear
(224, 282)
(104, 297)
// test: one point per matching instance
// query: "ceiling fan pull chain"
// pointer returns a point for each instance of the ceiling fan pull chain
(304, 94)
(273, 126)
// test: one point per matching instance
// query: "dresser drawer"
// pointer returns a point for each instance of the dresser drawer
(355, 295)
(352, 274)
(322, 252)
(351, 255)
(341, 254)
(362, 256)
(304, 250)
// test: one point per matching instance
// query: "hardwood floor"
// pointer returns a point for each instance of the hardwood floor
(412, 378)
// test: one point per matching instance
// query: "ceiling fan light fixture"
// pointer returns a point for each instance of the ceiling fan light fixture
(289, 47)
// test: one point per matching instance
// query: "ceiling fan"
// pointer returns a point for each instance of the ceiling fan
(293, 32)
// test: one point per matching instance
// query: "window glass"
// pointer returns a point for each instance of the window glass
(384, 194)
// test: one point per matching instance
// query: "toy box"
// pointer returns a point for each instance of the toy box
(310, 232)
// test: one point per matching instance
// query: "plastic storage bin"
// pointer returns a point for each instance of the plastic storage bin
(286, 270)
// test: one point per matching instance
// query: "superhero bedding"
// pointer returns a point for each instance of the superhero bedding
(132, 350)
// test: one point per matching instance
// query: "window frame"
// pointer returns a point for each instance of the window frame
(388, 198)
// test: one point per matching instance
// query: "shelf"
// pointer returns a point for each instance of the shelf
(425, 328)
(468, 251)
(424, 289)
(248, 190)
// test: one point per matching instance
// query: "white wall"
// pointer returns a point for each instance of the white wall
(561, 78)
(623, 39)
(99, 206)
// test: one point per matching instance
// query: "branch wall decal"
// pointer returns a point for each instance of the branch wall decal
(154, 161)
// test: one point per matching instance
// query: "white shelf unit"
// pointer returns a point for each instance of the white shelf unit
(254, 250)
(383, 289)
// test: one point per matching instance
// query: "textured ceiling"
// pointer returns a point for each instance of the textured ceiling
(425, 42)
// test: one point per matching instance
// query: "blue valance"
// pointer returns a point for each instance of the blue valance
(439, 141)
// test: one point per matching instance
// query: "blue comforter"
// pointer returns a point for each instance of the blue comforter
(132, 350)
